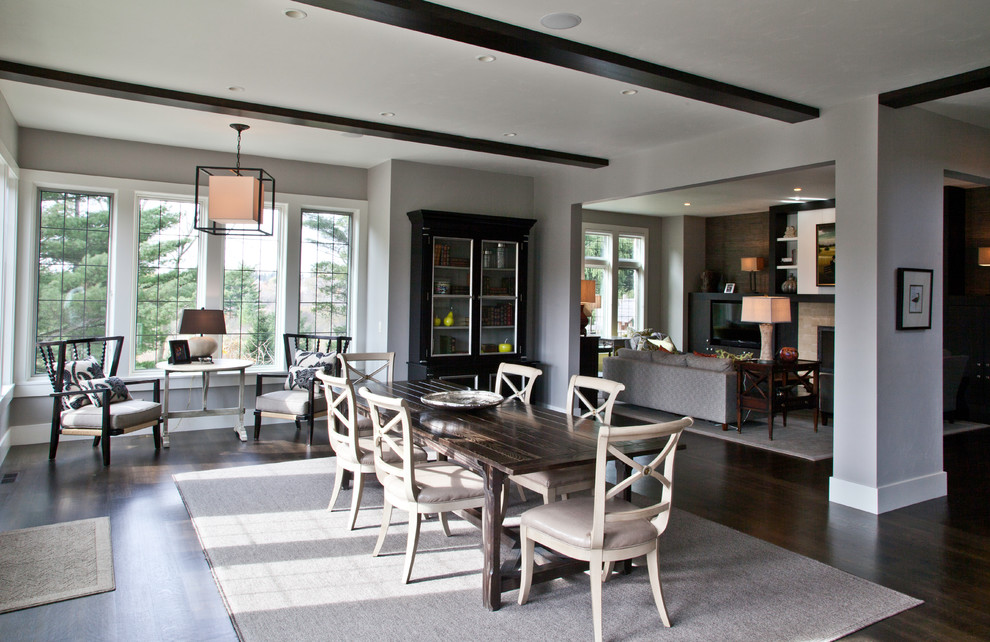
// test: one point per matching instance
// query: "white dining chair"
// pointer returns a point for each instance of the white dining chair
(414, 486)
(604, 528)
(517, 378)
(551, 484)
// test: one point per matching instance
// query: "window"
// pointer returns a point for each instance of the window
(73, 266)
(324, 279)
(168, 259)
(615, 258)
(250, 295)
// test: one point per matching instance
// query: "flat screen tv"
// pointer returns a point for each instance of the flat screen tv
(728, 331)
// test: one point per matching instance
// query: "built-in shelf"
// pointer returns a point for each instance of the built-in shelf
(786, 267)
(787, 239)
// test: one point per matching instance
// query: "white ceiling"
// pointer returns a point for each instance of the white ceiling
(817, 53)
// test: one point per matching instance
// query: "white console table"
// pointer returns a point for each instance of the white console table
(205, 368)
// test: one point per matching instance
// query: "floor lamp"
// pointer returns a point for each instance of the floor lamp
(766, 310)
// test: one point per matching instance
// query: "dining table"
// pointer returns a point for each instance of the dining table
(511, 438)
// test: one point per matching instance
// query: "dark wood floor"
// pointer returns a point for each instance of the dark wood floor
(938, 551)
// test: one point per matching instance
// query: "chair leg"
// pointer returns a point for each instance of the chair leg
(96, 442)
(338, 482)
(53, 444)
(444, 524)
(653, 562)
(312, 423)
(156, 432)
(411, 542)
(549, 496)
(522, 492)
(526, 565)
(358, 488)
(106, 448)
(596, 596)
(386, 518)
(257, 425)
(607, 573)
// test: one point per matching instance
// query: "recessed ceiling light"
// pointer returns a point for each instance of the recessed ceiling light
(486, 58)
(295, 14)
(560, 20)
(237, 88)
(687, 205)
(510, 134)
(387, 114)
(630, 92)
(797, 189)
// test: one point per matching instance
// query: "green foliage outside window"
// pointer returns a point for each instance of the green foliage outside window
(324, 272)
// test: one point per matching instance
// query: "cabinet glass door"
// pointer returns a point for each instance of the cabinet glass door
(499, 288)
(451, 288)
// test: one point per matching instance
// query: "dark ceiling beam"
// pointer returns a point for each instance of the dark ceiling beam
(461, 26)
(171, 98)
(941, 88)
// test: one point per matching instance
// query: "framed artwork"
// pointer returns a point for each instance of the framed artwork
(730, 288)
(180, 351)
(825, 254)
(914, 299)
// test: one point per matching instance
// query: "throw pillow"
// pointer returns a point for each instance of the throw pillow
(310, 359)
(702, 354)
(742, 356)
(118, 391)
(72, 374)
(301, 378)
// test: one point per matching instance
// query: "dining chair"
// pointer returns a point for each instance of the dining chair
(375, 366)
(352, 439)
(561, 481)
(604, 528)
(89, 399)
(510, 375)
(416, 487)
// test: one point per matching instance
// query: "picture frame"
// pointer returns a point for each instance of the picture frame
(179, 349)
(914, 298)
(730, 288)
(825, 254)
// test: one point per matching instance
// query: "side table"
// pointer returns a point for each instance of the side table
(776, 386)
(205, 368)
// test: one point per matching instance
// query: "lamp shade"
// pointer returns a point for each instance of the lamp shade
(753, 263)
(766, 309)
(202, 322)
(237, 200)
(588, 292)
(984, 257)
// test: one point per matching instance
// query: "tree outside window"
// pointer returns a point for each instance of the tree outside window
(615, 260)
(250, 295)
(324, 279)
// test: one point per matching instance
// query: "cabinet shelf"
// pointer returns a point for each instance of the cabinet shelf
(787, 267)
(787, 239)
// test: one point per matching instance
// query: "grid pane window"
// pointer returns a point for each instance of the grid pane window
(324, 286)
(73, 266)
(596, 326)
(616, 262)
(250, 295)
(168, 252)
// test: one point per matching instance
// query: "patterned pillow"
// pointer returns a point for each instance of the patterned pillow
(73, 373)
(302, 372)
(118, 391)
(309, 359)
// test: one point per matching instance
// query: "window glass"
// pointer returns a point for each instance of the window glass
(324, 279)
(615, 261)
(596, 246)
(73, 266)
(168, 257)
(250, 295)
(597, 325)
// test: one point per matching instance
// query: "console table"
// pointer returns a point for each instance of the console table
(776, 386)
(205, 368)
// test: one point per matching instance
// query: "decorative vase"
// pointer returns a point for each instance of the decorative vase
(788, 355)
(709, 281)
(789, 286)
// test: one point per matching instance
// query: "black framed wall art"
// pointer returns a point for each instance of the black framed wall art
(914, 298)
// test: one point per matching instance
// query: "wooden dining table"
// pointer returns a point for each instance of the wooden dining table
(509, 439)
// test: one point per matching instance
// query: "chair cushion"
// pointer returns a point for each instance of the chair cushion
(440, 481)
(123, 415)
(570, 521)
(289, 402)
(118, 390)
(75, 371)
(562, 476)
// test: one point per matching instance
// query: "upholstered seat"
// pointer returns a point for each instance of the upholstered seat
(123, 415)
(570, 521)
(290, 402)
(439, 481)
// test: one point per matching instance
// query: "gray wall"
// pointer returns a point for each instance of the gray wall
(8, 130)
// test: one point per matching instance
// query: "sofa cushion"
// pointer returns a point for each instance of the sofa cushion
(707, 363)
(636, 355)
(667, 358)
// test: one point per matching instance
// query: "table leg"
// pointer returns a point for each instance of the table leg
(206, 387)
(491, 535)
(165, 442)
(239, 424)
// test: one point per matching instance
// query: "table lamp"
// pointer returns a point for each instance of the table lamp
(983, 258)
(766, 310)
(588, 302)
(202, 322)
(753, 264)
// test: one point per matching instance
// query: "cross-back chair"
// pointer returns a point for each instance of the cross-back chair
(518, 379)
(374, 366)
(605, 528)
(417, 487)
(561, 481)
(89, 399)
(352, 439)
(300, 398)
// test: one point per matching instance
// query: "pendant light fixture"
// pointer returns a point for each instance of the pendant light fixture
(235, 197)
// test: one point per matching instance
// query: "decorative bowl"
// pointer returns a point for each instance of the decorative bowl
(462, 399)
(788, 355)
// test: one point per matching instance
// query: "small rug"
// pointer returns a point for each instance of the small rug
(288, 569)
(57, 562)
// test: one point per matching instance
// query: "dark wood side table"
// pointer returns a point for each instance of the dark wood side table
(776, 386)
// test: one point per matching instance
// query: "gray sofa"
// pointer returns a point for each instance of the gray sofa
(682, 384)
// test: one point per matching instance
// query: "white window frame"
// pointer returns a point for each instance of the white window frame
(351, 275)
(612, 264)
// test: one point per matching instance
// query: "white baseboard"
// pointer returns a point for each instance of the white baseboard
(889, 497)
